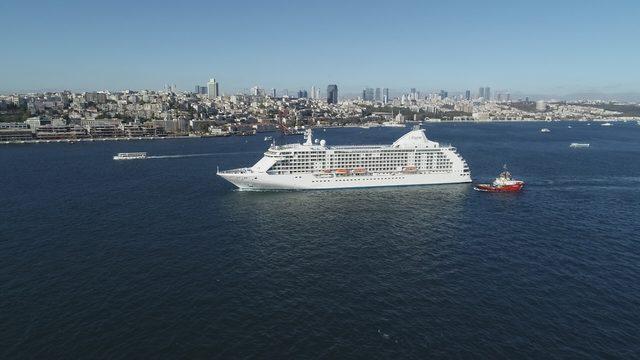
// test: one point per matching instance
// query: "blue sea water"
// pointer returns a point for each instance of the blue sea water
(162, 259)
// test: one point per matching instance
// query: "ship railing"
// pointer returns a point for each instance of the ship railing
(236, 171)
(360, 146)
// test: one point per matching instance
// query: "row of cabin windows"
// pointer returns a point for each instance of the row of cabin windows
(361, 178)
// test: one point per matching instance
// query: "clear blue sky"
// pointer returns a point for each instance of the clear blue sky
(536, 46)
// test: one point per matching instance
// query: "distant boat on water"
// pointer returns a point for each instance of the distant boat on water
(606, 124)
(130, 156)
(579, 145)
(545, 130)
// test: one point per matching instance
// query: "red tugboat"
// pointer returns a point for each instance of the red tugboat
(503, 183)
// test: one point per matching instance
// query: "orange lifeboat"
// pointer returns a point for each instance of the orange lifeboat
(360, 170)
(342, 171)
(327, 171)
(410, 169)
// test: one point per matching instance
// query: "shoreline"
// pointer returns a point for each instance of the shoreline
(50, 141)
(364, 125)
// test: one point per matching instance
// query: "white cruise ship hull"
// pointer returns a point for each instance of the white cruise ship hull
(411, 160)
(248, 181)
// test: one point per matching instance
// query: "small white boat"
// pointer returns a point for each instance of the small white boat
(606, 124)
(569, 127)
(545, 130)
(130, 156)
(268, 138)
(579, 145)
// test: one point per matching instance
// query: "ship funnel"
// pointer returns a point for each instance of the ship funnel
(308, 135)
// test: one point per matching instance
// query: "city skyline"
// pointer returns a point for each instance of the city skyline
(549, 49)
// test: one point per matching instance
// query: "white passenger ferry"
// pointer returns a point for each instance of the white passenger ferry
(579, 145)
(130, 156)
(410, 160)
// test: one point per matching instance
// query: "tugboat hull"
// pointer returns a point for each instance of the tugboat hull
(500, 188)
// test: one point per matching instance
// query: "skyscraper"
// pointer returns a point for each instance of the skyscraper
(332, 94)
(313, 92)
(367, 94)
(481, 92)
(213, 89)
(467, 95)
(385, 95)
(487, 93)
(444, 94)
(378, 95)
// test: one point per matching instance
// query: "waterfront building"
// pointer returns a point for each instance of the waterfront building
(332, 94)
(15, 131)
(104, 129)
(57, 131)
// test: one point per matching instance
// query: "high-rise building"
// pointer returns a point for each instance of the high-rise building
(256, 90)
(378, 95)
(332, 94)
(273, 92)
(507, 97)
(385, 95)
(213, 89)
(467, 95)
(197, 91)
(313, 92)
(487, 93)
(367, 94)
(302, 94)
(444, 94)
(481, 92)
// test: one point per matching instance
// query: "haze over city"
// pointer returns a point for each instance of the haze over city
(544, 48)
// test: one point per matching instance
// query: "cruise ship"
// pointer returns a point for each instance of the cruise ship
(411, 160)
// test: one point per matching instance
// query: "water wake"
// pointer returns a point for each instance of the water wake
(194, 155)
